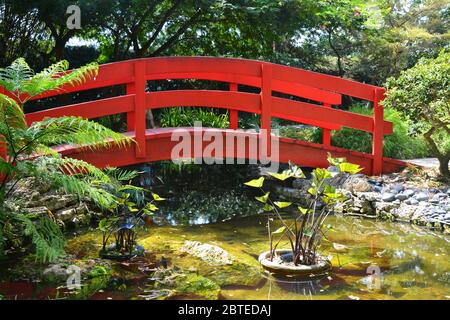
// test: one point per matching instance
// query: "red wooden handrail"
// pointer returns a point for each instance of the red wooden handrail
(322, 90)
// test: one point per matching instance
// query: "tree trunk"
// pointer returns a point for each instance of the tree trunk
(443, 167)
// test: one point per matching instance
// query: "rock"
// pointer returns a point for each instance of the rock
(66, 215)
(421, 196)
(333, 169)
(388, 197)
(212, 254)
(381, 207)
(357, 183)
(409, 193)
(435, 199)
(56, 273)
(301, 183)
(397, 187)
(404, 212)
(35, 212)
(401, 196)
(339, 180)
(369, 196)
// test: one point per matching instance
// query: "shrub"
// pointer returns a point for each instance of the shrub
(186, 116)
(402, 144)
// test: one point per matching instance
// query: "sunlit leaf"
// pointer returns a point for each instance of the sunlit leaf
(157, 197)
(263, 198)
(280, 176)
(279, 230)
(281, 204)
(339, 247)
(268, 207)
(255, 183)
(349, 167)
(303, 210)
(335, 161)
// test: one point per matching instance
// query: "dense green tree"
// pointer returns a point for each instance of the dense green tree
(422, 92)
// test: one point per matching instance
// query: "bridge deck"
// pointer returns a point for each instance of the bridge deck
(159, 146)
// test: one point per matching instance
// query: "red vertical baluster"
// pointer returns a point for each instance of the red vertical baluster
(130, 115)
(233, 113)
(326, 133)
(139, 107)
(377, 136)
(266, 103)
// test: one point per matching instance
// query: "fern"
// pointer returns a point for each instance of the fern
(46, 236)
(30, 153)
(20, 80)
(121, 174)
(75, 130)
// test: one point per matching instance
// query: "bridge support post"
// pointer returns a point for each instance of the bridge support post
(326, 133)
(233, 113)
(130, 115)
(377, 136)
(140, 85)
(266, 108)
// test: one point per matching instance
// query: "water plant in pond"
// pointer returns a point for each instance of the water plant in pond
(27, 152)
(129, 213)
(304, 233)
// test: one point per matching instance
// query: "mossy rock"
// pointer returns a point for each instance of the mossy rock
(193, 284)
(235, 274)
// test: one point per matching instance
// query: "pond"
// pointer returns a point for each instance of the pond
(410, 262)
(414, 262)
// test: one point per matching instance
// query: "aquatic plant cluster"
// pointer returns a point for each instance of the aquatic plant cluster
(305, 233)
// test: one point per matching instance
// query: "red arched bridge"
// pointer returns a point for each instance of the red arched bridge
(318, 93)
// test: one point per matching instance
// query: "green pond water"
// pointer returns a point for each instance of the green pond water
(414, 263)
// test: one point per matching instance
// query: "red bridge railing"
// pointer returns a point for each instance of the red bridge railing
(324, 91)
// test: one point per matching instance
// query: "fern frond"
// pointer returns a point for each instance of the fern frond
(6, 168)
(77, 131)
(78, 167)
(121, 174)
(11, 113)
(46, 236)
(14, 76)
(56, 76)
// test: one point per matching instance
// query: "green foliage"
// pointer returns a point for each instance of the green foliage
(30, 154)
(128, 213)
(426, 87)
(404, 143)
(46, 236)
(185, 117)
(304, 234)
(21, 80)
(199, 285)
